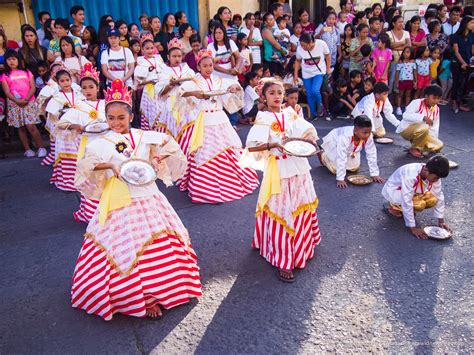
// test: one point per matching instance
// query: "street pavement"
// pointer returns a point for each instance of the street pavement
(371, 286)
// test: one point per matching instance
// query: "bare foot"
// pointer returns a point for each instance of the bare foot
(394, 212)
(286, 275)
(415, 153)
(154, 312)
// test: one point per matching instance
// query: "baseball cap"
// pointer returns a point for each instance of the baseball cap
(113, 32)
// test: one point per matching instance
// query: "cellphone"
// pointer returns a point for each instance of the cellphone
(327, 29)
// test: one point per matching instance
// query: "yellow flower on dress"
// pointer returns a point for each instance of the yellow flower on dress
(275, 127)
(120, 147)
(93, 114)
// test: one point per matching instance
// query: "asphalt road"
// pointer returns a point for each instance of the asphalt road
(371, 287)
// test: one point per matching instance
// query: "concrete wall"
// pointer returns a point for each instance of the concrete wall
(11, 18)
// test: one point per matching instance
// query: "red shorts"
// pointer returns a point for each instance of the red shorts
(422, 81)
(404, 85)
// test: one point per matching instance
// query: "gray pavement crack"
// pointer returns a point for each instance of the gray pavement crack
(138, 342)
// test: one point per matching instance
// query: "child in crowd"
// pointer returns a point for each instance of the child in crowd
(366, 61)
(292, 98)
(423, 77)
(355, 87)
(295, 38)
(420, 123)
(348, 35)
(246, 61)
(340, 104)
(405, 78)
(435, 54)
(373, 106)
(258, 69)
(375, 25)
(444, 77)
(282, 34)
(342, 147)
(43, 68)
(251, 99)
(369, 84)
(382, 56)
(342, 22)
(135, 48)
(75, 32)
(266, 71)
(414, 188)
(18, 84)
(288, 75)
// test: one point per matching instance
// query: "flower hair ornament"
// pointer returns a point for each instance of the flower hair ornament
(175, 44)
(146, 37)
(203, 54)
(118, 92)
(88, 71)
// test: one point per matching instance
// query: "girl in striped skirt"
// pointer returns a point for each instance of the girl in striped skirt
(174, 119)
(286, 230)
(71, 128)
(213, 174)
(136, 257)
(64, 165)
(146, 75)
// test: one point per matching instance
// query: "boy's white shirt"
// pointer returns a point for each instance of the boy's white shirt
(415, 113)
(367, 106)
(400, 189)
(339, 147)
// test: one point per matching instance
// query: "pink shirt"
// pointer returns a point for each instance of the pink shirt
(19, 82)
(381, 59)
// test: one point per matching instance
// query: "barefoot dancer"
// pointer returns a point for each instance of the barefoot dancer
(213, 174)
(136, 257)
(416, 187)
(286, 230)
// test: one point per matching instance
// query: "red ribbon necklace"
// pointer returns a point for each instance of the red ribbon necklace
(353, 141)
(71, 104)
(281, 124)
(131, 140)
(180, 71)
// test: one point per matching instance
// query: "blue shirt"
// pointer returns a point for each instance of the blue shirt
(464, 45)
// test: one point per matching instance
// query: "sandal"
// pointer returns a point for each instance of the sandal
(285, 279)
(418, 154)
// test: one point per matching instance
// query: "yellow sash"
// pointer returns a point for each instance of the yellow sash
(150, 90)
(82, 147)
(175, 113)
(197, 138)
(114, 196)
(270, 184)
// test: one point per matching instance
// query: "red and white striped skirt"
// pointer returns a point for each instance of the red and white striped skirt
(64, 171)
(164, 270)
(184, 137)
(149, 111)
(50, 158)
(221, 179)
(287, 230)
(86, 209)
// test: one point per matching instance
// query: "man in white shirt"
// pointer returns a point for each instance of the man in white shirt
(117, 61)
(452, 25)
(78, 17)
(415, 187)
(43, 16)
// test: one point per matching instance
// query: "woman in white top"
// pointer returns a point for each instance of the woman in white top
(225, 53)
(314, 59)
(399, 39)
(71, 61)
(254, 37)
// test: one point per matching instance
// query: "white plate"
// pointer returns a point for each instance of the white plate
(383, 140)
(453, 164)
(137, 172)
(299, 148)
(435, 232)
(96, 128)
(360, 180)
